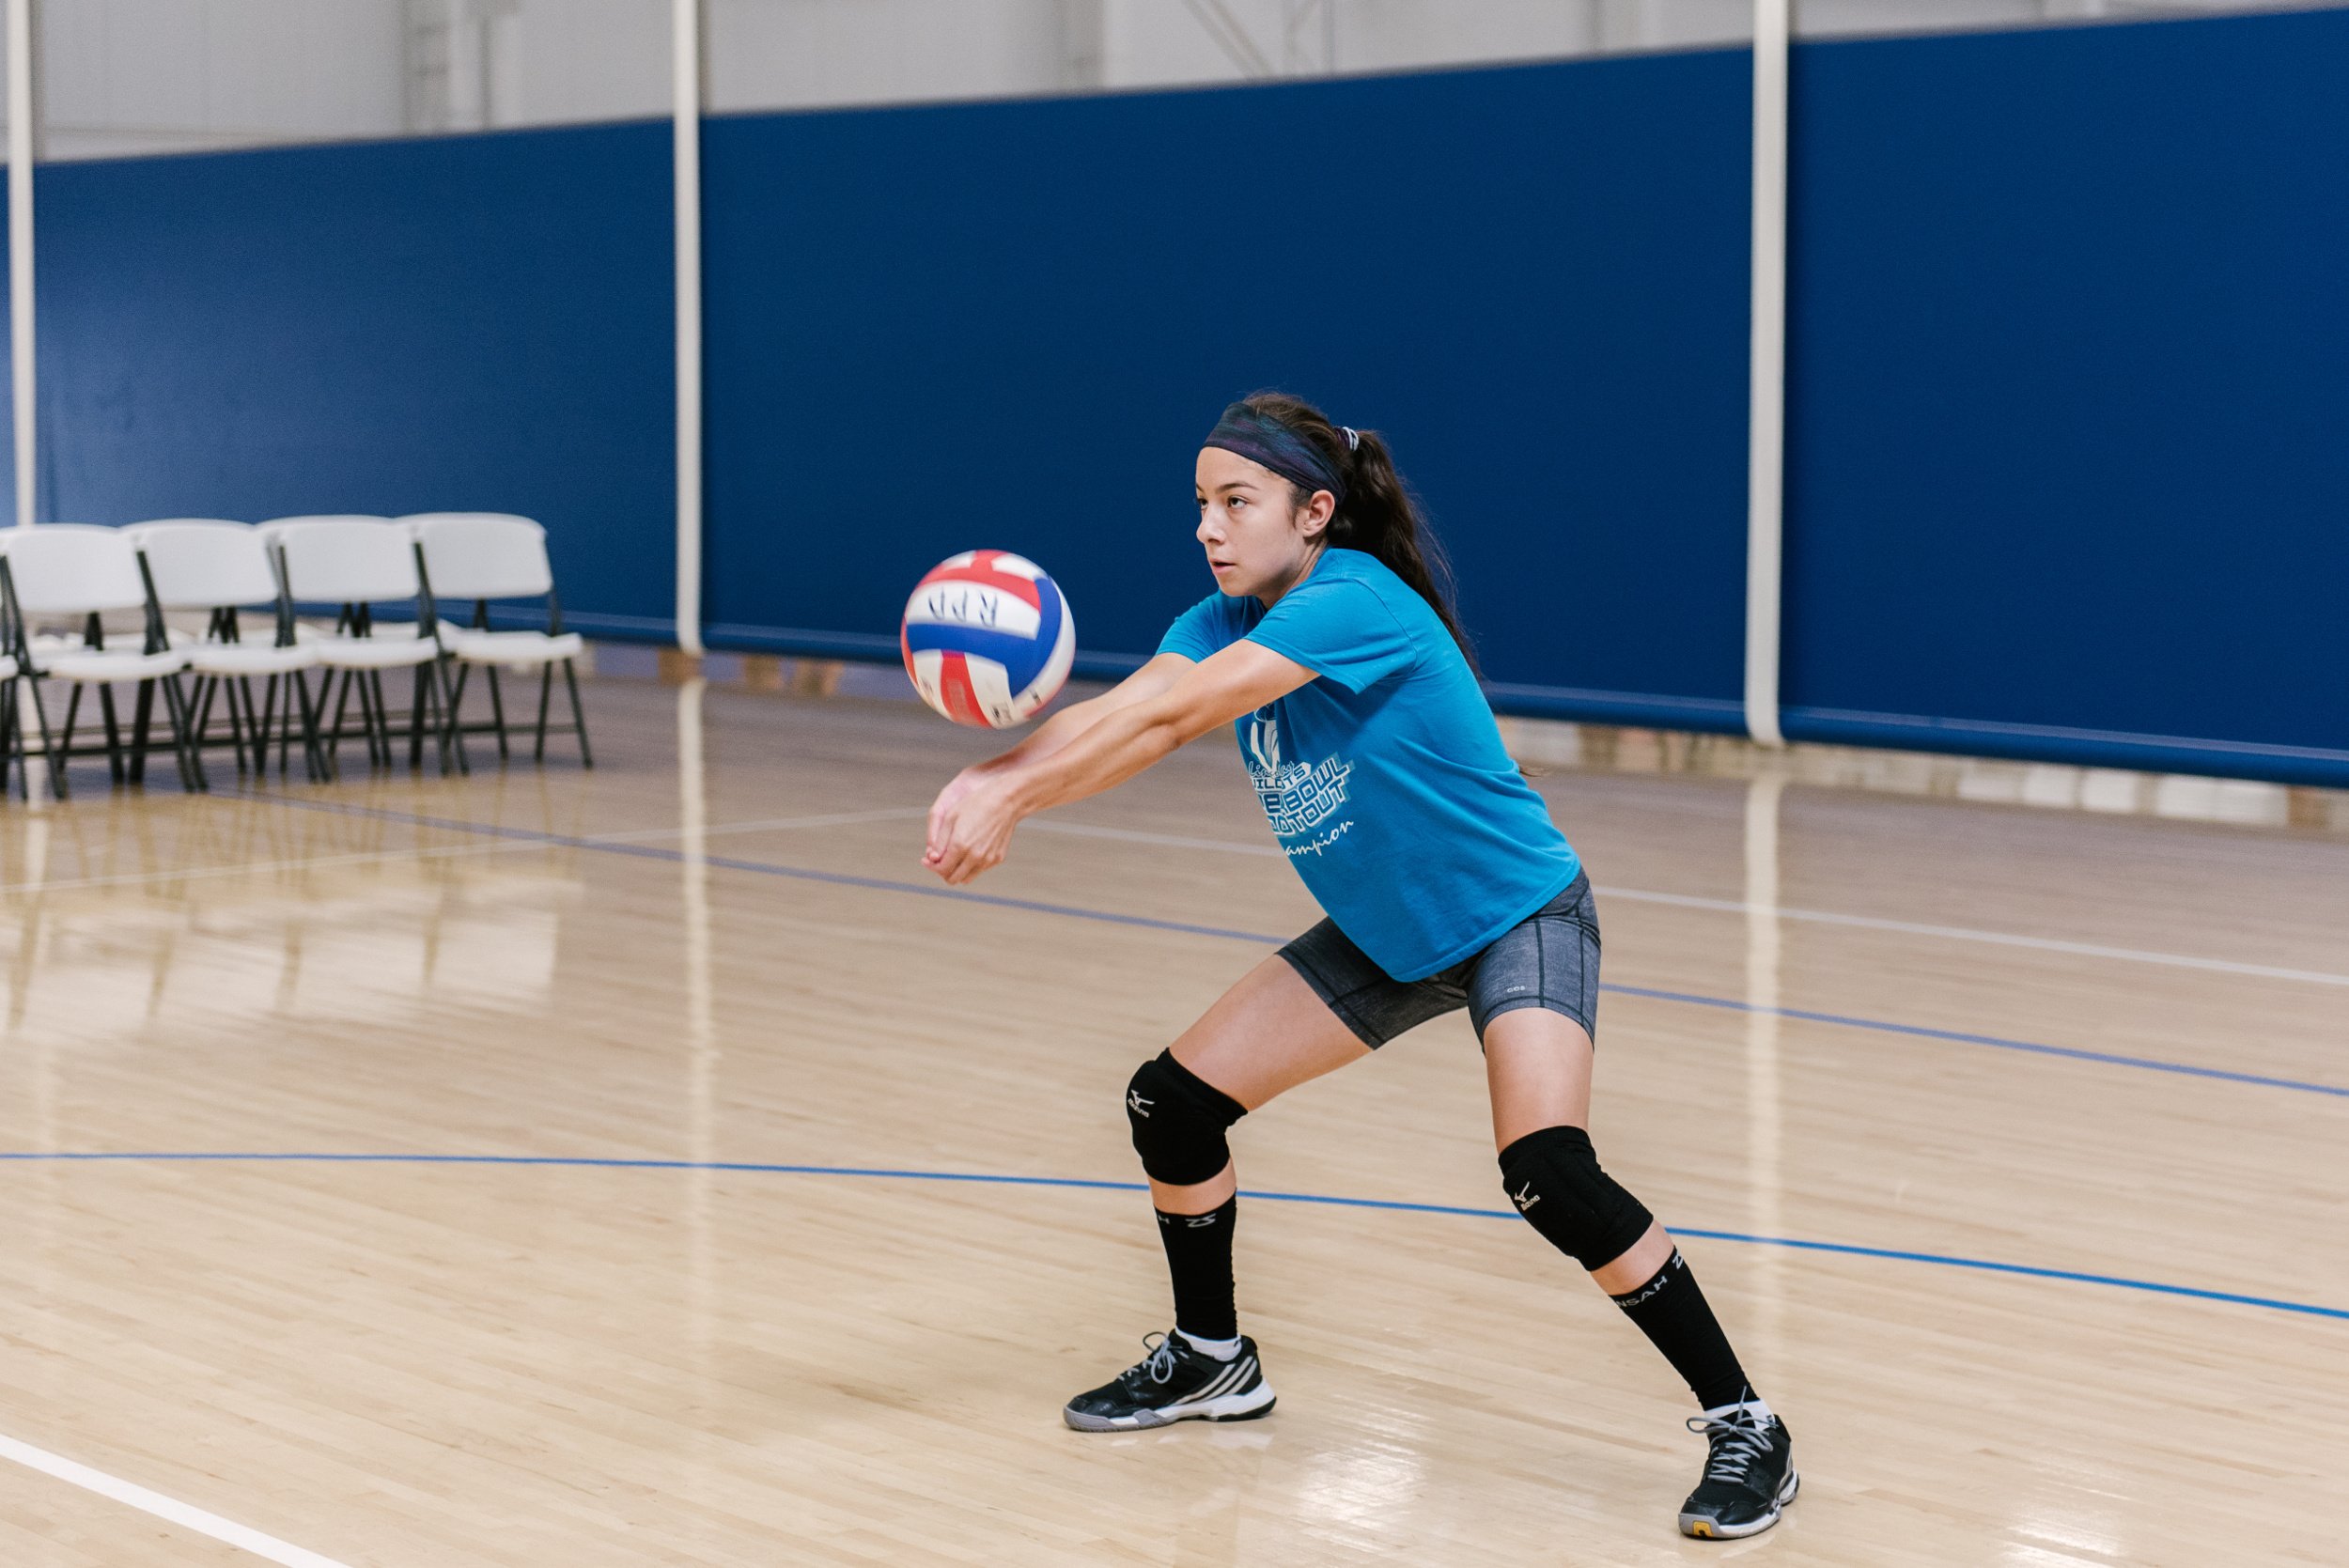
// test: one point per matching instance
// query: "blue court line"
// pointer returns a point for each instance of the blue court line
(1112, 917)
(1942, 1259)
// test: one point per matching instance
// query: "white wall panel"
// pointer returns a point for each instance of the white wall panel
(134, 76)
(131, 76)
(788, 54)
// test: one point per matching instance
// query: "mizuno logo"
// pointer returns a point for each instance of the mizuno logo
(1525, 1198)
(1136, 1104)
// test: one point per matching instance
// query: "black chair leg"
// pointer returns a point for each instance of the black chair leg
(179, 739)
(366, 718)
(546, 690)
(579, 715)
(497, 706)
(382, 713)
(72, 713)
(452, 738)
(342, 705)
(190, 764)
(49, 745)
(284, 743)
(235, 723)
(140, 716)
(269, 717)
(415, 715)
(313, 749)
(114, 763)
(200, 700)
(455, 684)
(16, 689)
(257, 728)
(12, 741)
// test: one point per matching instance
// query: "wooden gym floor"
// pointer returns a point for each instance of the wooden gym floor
(652, 1167)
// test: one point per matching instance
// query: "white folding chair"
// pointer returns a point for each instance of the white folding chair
(69, 571)
(357, 563)
(221, 568)
(492, 555)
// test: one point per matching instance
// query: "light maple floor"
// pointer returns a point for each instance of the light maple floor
(607, 1329)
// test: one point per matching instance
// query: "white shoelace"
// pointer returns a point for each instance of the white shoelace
(1159, 1364)
(1737, 1442)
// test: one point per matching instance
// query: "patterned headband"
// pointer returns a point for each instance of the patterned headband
(1267, 441)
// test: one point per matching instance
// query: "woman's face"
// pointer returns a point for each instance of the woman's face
(1258, 540)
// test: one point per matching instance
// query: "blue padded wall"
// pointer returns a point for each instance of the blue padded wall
(1008, 325)
(2065, 386)
(481, 322)
(2069, 416)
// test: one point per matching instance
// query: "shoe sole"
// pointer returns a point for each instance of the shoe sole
(1256, 1403)
(1701, 1528)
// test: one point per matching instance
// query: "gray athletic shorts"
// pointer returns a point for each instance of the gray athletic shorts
(1548, 959)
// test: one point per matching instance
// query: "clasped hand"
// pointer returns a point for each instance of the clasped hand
(971, 824)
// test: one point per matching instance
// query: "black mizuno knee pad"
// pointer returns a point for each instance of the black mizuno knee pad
(1179, 1122)
(1553, 1179)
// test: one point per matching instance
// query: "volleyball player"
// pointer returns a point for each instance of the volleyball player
(1332, 644)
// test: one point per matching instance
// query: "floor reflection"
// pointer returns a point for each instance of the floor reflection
(346, 919)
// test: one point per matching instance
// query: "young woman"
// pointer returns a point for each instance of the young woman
(1332, 644)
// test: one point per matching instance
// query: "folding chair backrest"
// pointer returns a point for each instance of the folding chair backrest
(67, 568)
(345, 560)
(205, 563)
(483, 554)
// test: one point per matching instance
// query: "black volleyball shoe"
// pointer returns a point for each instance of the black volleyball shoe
(1174, 1383)
(1749, 1476)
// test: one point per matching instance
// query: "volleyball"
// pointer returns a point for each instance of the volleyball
(988, 639)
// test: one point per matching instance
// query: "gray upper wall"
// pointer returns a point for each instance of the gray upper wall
(127, 77)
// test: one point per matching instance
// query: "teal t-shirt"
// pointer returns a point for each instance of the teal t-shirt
(1385, 779)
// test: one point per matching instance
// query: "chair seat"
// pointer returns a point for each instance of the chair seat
(518, 648)
(87, 665)
(373, 653)
(251, 659)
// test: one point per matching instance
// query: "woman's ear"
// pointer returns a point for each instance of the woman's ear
(1315, 519)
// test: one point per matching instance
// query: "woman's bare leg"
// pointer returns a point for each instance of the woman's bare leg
(1537, 1066)
(1265, 1035)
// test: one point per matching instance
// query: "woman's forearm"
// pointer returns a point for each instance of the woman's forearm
(1108, 751)
(1049, 737)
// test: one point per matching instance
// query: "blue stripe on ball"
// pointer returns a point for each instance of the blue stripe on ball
(1022, 659)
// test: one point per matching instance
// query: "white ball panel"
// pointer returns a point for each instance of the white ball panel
(992, 687)
(973, 604)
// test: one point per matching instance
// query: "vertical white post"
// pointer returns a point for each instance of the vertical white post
(686, 109)
(21, 248)
(1766, 425)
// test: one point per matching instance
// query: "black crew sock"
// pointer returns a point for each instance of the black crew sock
(1199, 1256)
(1673, 1313)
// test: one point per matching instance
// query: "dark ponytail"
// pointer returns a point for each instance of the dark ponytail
(1379, 516)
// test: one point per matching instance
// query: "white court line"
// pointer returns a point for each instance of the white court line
(442, 851)
(2000, 939)
(186, 1515)
(1814, 917)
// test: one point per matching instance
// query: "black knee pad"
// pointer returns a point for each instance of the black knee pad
(1553, 1179)
(1179, 1122)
